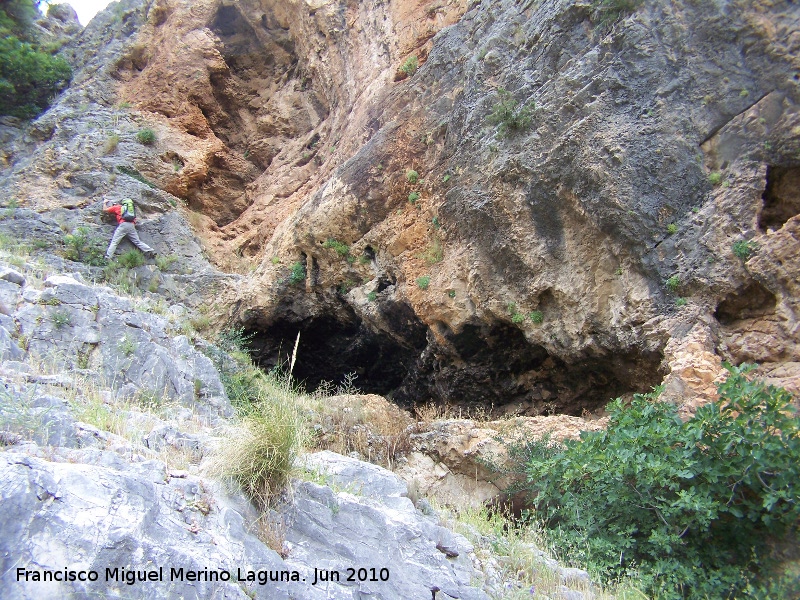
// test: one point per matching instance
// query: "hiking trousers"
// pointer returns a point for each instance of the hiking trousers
(126, 229)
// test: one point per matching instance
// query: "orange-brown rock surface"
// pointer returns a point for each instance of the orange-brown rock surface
(594, 250)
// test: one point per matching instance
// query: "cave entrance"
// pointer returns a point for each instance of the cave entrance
(781, 197)
(491, 367)
(494, 367)
(335, 345)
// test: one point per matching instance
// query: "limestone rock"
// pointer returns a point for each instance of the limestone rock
(365, 520)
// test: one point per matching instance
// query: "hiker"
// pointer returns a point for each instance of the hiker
(126, 220)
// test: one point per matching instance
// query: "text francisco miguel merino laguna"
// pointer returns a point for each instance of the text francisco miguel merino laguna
(132, 576)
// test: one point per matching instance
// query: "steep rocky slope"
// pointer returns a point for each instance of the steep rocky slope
(539, 269)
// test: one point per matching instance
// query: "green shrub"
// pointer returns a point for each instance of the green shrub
(672, 229)
(744, 248)
(410, 65)
(537, 317)
(146, 136)
(297, 273)
(80, 247)
(127, 345)
(680, 302)
(130, 259)
(60, 318)
(340, 248)
(691, 507)
(164, 262)
(423, 282)
(413, 197)
(412, 176)
(517, 318)
(509, 115)
(715, 178)
(29, 78)
(372, 296)
(673, 283)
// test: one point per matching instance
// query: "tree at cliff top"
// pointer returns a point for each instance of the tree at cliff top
(29, 76)
(692, 508)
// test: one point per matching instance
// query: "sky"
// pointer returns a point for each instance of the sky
(86, 9)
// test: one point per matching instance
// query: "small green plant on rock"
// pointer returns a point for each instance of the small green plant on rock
(744, 249)
(673, 283)
(412, 176)
(81, 247)
(130, 259)
(297, 273)
(60, 318)
(537, 317)
(423, 282)
(127, 345)
(340, 248)
(164, 262)
(410, 65)
(672, 229)
(680, 302)
(146, 136)
(413, 197)
(509, 115)
(372, 296)
(715, 178)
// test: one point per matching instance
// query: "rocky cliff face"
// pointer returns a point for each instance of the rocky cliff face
(637, 226)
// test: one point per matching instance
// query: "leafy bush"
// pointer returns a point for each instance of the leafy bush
(691, 507)
(680, 302)
(146, 136)
(164, 262)
(410, 65)
(412, 176)
(715, 178)
(744, 248)
(672, 229)
(508, 115)
(372, 296)
(673, 283)
(130, 259)
(340, 248)
(297, 273)
(413, 197)
(60, 318)
(537, 317)
(423, 282)
(80, 247)
(29, 78)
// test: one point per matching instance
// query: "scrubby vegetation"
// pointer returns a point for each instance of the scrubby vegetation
(29, 75)
(690, 509)
(509, 115)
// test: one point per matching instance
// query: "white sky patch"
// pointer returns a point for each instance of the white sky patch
(86, 9)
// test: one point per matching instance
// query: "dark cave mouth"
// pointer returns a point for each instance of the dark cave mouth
(493, 368)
